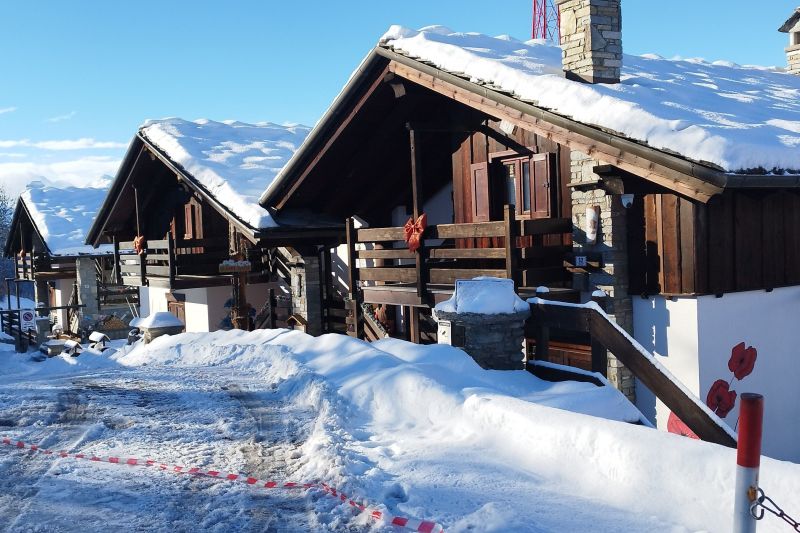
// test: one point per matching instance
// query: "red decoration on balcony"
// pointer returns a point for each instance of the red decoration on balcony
(742, 360)
(412, 231)
(139, 244)
(677, 426)
(720, 399)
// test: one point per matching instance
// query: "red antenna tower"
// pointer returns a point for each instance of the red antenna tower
(546, 21)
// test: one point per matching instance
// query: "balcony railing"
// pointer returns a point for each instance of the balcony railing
(531, 252)
(167, 260)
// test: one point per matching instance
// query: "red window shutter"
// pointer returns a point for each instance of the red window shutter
(480, 192)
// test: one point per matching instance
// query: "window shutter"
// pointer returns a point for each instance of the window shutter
(480, 192)
(188, 226)
(540, 184)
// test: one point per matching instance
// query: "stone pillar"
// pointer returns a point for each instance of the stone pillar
(611, 245)
(591, 39)
(495, 342)
(307, 291)
(87, 286)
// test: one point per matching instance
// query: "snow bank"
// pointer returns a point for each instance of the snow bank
(63, 216)
(161, 319)
(431, 434)
(234, 161)
(737, 117)
(484, 295)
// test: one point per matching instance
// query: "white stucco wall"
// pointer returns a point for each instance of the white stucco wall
(62, 291)
(677, 331)
(668, 329)
(770, 322)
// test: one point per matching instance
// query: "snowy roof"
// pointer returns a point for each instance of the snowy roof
(63, 216)
(233, 161)
(791, 22)
(740, 118)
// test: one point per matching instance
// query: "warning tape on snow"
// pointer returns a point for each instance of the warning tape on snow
(421, 526)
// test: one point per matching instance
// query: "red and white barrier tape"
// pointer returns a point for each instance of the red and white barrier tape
(421, 526)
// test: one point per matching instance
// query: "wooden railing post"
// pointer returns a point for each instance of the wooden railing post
(273, 303)
(354, 327)
(512, 252)
(117, 274)
(143, 267)
(171, 258)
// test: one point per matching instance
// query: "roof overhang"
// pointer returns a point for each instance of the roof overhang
(791, 22)
(19, 211)
(688, 178)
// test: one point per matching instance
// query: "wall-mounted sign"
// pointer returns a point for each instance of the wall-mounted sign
(27, 320)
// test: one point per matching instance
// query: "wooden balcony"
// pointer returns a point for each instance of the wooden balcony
(531, 252)
(181, 264)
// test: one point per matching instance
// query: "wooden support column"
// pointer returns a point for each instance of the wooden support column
(416, 198)
(171, 258)
(117, 273)
(512, 252)
(413, 325)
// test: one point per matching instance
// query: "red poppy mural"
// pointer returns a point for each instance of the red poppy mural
(720, 398)
(742, 360)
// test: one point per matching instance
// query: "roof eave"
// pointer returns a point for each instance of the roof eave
(249, 231)
(791, 22)
(320, 128)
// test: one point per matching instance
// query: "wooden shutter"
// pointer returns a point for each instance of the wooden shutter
(188, 224)
(479, 188)
(540, 177)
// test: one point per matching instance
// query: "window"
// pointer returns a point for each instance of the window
(524, 182)
(795, 38)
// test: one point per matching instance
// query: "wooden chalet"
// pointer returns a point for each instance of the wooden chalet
(46, 241)
(194, 244)
(515, 189)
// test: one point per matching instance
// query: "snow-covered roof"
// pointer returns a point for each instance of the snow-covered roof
(791, 23)
(64, 215)
(233, 161)
(739, 118)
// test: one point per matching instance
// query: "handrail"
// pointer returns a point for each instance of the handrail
(608, 335)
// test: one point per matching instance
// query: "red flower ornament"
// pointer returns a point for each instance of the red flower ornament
(720, 399)
(742, 360)
(677, 426)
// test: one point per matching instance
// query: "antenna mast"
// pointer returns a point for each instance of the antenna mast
(546, 21)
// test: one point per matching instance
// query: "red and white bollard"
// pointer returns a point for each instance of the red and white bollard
(748, 459)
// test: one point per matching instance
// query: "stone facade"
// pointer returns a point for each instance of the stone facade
(87, 286)
(306, 291)
(591, 39)
(792, 28)
(611, 246)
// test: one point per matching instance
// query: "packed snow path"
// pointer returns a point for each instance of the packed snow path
(193, 416)
(417, 431)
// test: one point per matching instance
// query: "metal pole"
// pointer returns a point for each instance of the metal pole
(748, 459)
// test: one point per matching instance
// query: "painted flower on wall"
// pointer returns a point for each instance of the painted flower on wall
(742, 360)
(677, 426)
(720, 398)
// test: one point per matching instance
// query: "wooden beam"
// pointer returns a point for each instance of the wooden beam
(677, 181)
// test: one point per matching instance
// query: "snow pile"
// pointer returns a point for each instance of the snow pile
(161, 319)
(427, 433)
(483, 295)
(233, 161)
(737, 117)
(63, 216)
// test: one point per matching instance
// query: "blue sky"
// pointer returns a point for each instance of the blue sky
(77, 78)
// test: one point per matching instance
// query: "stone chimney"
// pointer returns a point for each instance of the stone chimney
(792, 27)
(591, 39)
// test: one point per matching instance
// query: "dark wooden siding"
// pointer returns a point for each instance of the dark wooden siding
(739, 241)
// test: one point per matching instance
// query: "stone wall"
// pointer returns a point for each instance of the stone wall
(591, 39)
(87, 286)
(611, 246)
(793, 58)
